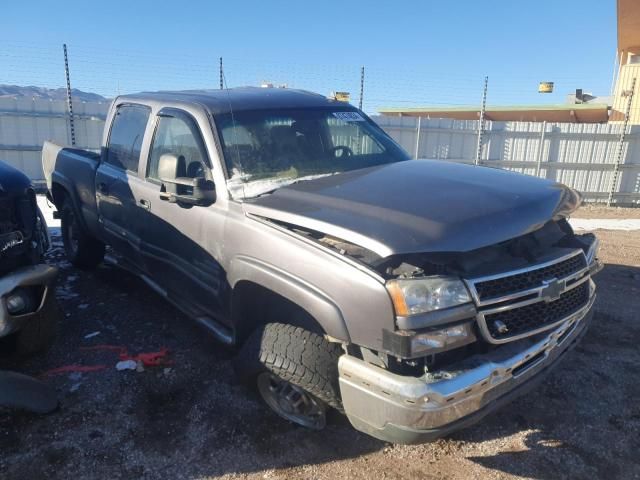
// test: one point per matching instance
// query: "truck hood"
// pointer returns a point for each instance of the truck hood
(419, 206)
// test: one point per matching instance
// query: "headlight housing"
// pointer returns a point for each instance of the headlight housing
(412, 296)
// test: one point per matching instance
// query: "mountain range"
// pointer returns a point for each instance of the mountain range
(9, 91)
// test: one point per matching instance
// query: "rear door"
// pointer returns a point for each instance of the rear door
(116, 178)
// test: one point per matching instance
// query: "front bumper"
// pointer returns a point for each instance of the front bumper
(402, 409)
(41, 275)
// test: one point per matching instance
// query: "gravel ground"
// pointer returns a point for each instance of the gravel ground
(594, 210)
(191, 420)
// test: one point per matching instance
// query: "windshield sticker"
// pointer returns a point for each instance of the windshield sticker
(349, 116)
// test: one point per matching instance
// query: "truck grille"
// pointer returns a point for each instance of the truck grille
(508, 285)
(518, 303)
(534, 316)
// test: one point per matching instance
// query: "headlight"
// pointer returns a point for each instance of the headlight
(419, 295)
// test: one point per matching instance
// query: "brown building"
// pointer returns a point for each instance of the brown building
(573, 113)
(628, 63)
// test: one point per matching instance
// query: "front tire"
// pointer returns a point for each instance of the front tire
(294, 370)
(82, 250)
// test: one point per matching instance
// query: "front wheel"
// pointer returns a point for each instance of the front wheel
(83, 250)
(295, 372)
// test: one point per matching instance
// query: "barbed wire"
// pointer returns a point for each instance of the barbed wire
(110, 72)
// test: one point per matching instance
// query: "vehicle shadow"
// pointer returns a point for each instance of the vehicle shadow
(580, 418)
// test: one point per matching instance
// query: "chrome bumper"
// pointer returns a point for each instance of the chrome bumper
(403, 409)
(41, 275)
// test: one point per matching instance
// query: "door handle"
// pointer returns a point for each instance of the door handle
(102, 188)
(146, 204)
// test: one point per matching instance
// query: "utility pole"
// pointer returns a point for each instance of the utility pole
(69, 101)
(541, 148)
(418, 129)
(221, 75)
(481, 121)
(623, 133)
(361, 87)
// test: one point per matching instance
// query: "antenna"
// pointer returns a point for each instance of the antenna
(223, 84)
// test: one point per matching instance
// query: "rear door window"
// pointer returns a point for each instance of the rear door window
(125, 139)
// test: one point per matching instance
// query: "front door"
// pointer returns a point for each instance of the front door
(179, 242)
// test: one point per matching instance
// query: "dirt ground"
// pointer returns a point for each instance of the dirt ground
(192, 421)
(593, 210)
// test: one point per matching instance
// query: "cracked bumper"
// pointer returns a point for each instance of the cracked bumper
(402, 409)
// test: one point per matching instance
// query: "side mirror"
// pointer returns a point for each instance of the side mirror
(170, 167)
(178, 188)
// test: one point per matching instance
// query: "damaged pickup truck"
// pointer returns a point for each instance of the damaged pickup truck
(415, 296)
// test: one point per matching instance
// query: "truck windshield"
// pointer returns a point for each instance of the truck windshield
(267, 149)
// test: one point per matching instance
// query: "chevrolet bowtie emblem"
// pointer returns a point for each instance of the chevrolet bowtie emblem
(552, 289)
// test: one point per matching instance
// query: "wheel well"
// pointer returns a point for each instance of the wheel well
(58, 193)
(253, 305)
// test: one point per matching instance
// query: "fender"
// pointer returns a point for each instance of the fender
(303, 294)
(88, 219)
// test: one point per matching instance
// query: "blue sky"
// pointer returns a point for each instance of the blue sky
(415, 52)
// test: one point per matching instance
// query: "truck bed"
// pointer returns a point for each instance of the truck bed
(75, 169)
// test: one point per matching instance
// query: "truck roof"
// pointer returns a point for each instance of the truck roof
(241, 98)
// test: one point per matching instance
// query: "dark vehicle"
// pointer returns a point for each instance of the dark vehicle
(415, 296)
(28, 311)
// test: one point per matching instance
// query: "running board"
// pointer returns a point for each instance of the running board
(222, 333)
(219, 331)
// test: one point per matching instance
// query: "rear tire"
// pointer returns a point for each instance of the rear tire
(38, 332)
(280, 359)
(83, 250)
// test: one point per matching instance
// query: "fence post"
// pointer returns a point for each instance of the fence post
(541, 148)
(481, 121)
(623, 134)
(418, 137)
(69, 101)
(221, 75)
(361, 87)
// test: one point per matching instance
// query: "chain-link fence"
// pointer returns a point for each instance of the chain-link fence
(583, 156)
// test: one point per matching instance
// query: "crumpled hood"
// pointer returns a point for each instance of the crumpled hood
(420, 206)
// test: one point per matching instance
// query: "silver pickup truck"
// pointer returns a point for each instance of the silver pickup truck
(415, 296)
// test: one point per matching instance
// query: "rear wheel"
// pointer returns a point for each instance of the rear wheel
(83, 250)
(295, 372)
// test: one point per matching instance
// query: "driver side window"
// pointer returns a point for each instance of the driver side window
(180, 137)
